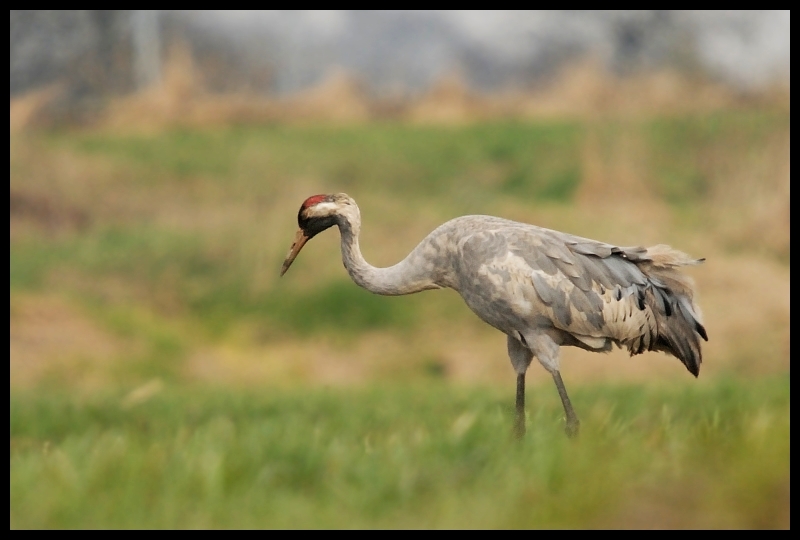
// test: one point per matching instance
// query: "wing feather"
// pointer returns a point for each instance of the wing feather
(594, 293)
(593, 290)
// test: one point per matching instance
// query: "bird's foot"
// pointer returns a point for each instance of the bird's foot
(572, 427)
(519, 427)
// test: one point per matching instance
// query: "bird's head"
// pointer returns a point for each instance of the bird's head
(317, 213)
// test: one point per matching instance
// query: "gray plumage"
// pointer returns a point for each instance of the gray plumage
(542, 288)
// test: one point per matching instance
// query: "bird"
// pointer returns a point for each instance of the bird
(542, 288)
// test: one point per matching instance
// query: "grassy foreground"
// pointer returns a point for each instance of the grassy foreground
(713, 454)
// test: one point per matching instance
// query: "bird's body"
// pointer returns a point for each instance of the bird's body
(542, 288)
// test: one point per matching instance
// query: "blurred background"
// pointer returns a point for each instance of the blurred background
(429, 66)
(158, 160)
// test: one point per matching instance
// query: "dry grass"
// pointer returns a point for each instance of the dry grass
(50, 340)
(583, 89)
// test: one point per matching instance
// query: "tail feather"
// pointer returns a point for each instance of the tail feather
(677, 336)
(671, 298)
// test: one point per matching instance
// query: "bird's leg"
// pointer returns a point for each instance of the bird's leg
(521, 358)
(519, 421)
(572, 419)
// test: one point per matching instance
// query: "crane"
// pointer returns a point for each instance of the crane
(542, 288)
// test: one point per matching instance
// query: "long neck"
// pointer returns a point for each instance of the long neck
(413, 274)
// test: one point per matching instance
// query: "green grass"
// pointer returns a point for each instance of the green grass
(540, 162)
(687, 152)
(424, 455)
(531, 159)
(204, 280)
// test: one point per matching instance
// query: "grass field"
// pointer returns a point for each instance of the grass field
(161, 375)
(427, 455)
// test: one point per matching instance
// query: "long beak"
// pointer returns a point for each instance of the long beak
(300, 240)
